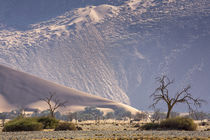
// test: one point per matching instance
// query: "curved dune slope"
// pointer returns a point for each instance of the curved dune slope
(18, 89)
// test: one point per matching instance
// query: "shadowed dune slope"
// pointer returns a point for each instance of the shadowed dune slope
(18, 89)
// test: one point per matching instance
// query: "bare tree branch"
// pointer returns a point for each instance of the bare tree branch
(53, 102)
(162, 94)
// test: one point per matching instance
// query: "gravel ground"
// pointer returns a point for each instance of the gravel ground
(100, 134)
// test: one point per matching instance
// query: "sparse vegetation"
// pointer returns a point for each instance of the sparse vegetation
(23, 124)
(64, 126)
(90, 113)
(109, 115)
(120, 113)
(107, 131)
(150, 126)
(178, 123)
(30, 124)
(48, 122)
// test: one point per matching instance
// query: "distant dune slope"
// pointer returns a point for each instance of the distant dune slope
(110, 48)
(18, 89)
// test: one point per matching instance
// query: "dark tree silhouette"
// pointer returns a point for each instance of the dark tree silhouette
(198, 115)
(53, 102)
(3, 117)
(140, 116)
(157, 116)
(162, 94)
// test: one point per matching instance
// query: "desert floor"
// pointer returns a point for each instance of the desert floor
(107, 131)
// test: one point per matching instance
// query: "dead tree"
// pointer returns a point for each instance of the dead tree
(21, 111)
(53, 103)
(196, 115)
(157, 116)
(3, 117)
(162, 94)
(140, 116)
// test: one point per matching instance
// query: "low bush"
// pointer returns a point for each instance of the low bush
(22, 124)
(178, 123)
(79, 128)
(136, 125)
(203, 124)
(150, 126)
(48, 122)
(64, 126)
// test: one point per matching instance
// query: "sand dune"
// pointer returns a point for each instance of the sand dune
(18, 89)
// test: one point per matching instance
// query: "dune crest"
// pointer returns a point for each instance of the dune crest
(22, 89)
